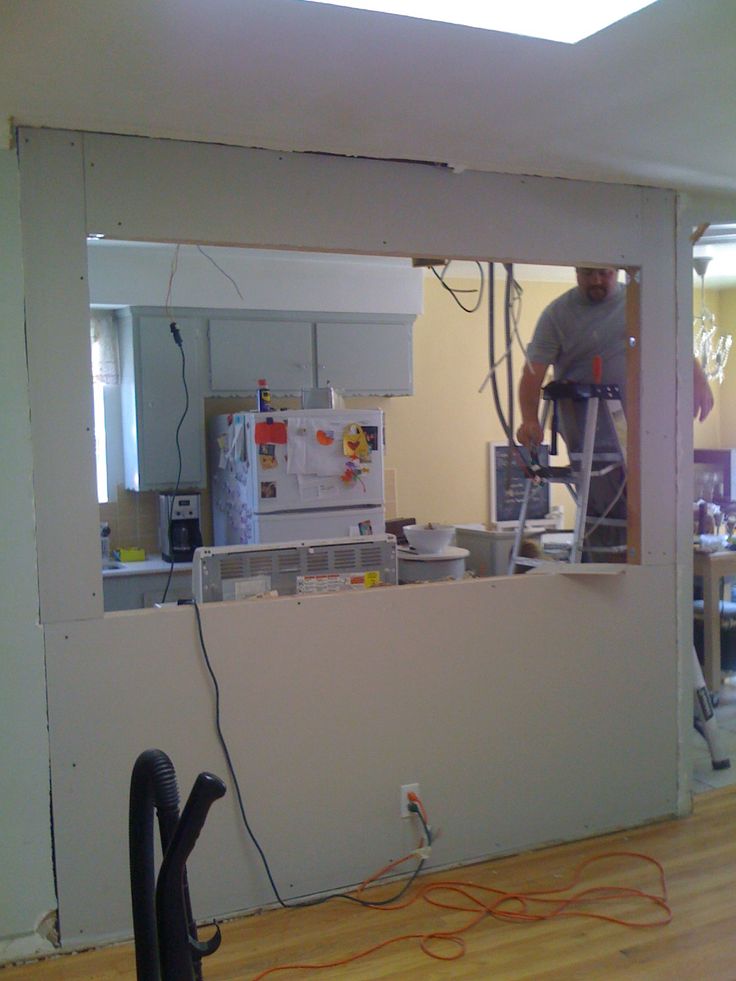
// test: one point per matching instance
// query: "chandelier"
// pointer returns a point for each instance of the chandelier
(710, 350)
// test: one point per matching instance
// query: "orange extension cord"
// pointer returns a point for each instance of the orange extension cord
(516, 907)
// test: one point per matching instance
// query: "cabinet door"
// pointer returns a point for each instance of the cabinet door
(160, 403)
(242, 351)
(365, 358)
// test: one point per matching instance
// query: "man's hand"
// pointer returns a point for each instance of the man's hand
(530, 434)
(702, 395)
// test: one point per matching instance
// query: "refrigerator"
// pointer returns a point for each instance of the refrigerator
(295, 475)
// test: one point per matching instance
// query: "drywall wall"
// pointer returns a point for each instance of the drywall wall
(618, 630)
(26, 884)
(517, 733)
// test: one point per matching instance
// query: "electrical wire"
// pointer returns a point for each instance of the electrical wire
(218, 267)
(179, 343)
(512, 306)
(512, 292)
(454, 291)
(509, 361)
(481, 901)
(172, 273)
(415, 806)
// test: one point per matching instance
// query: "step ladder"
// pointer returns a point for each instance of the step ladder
(595, 398)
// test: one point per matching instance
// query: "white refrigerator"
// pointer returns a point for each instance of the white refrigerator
(295, 475)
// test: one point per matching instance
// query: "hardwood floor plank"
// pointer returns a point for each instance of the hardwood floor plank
(698, 854)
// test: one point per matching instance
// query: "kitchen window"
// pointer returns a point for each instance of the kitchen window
(105, 372)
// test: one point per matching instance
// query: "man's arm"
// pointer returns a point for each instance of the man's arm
(702, 395)
(530, 388)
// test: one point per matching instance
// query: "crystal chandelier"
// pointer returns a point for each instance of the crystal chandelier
(710, 350)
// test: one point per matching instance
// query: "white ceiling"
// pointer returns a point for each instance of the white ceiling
(648, 101)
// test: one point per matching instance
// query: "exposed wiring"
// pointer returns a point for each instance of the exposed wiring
(499, 361)
(172, 273)
(218, 267)
(509, 361)
(455, 292)
(507, 355)
(512, 306)
(415, 806)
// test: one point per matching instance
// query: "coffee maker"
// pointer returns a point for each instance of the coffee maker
(178, 526)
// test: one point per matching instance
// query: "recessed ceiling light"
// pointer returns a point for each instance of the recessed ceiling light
(562, 20)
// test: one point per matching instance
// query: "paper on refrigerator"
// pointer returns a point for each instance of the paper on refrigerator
(314, 447)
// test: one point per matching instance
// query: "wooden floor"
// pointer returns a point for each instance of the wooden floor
(698, 854)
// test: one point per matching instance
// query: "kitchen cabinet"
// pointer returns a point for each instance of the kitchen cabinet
(365, 358)
(359, 355)
(153, 400)
(242, 351)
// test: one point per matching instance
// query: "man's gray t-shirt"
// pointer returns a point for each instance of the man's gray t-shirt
(572, 330)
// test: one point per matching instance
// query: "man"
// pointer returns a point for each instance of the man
(586, 322)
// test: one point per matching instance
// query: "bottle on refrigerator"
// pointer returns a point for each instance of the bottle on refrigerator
(263, 399)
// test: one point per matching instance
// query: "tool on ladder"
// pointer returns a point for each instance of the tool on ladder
(584, 465)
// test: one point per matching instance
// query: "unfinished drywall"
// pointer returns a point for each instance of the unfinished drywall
(606, 651)
(517, 733)
(26, 883)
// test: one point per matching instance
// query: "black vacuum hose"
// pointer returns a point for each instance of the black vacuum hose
(166, 945)
(153, 783)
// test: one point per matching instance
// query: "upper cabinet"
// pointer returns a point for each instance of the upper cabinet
(357, 354)
(365, 358)
(244, 350)
(162, 445)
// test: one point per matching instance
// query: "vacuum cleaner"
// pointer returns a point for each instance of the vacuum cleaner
(166, 944)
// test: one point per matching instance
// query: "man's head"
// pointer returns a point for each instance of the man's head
(597, 283)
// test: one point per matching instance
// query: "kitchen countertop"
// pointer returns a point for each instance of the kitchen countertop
(150, 566)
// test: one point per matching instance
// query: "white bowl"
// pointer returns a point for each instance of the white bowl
(429, 539)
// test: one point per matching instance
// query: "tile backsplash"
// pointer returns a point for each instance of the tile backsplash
(133, 520)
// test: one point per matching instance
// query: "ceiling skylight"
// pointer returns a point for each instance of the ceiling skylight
(553, 20)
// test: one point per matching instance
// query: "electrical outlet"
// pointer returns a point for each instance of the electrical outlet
(407, 788)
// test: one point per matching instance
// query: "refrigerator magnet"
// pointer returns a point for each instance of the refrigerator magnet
(267, 456)
(325, 437)
(268, 489)
(354, 443)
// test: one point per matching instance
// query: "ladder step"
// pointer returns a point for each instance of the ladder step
(583, 466)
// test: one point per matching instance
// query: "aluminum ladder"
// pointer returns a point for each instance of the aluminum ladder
(583, 466)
